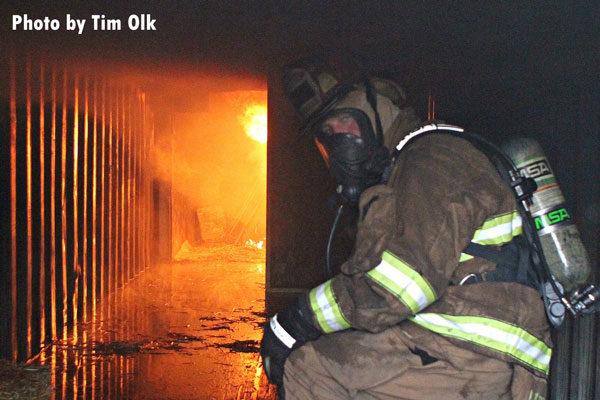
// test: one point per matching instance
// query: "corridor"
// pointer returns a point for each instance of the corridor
(188, 330)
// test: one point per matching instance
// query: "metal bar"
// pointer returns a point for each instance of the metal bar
(109, 241)
(103, 241)
(63, 203)
(42, 207)
(94, 197)
(127, 223)
(116, 188)
(136, 180)
(53, 209)
(13, 207)
(84, 228)
(29, 211)
(150, 209)
(76, 265)
(122, 266)
(133, 182)
(142, 185)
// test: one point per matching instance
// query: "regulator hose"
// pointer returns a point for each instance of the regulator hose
(331, 234)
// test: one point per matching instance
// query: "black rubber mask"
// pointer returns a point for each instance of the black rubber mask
(355, 162)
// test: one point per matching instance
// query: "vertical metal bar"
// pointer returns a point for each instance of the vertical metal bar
(122, 268)
(13, 207)
(142, 190)
(103, 242)
(94, 197)
(129, 243)
(132, 181)
(53, 303)
(76, 265)
(141, 187)
(171, 180)
(143, 184)
(136, 183)
(150, 209)
(109, 242)
(117, 174)
(63, 203)
(29, 211)
(42, 207)
(84, 228)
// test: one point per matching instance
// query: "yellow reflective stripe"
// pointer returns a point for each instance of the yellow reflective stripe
(326, 309)
(497, 231)
(403, 281)
(493, 334)
(465, 257)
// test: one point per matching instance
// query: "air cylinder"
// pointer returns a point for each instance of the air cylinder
(564, 252)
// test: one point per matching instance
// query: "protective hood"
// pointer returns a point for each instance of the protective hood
(396, 121)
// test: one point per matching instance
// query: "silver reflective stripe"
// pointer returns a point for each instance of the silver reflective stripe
(497, 231)
(403, 281)
(326, 309)
(493, 334)
(281, 333)
(427, 128)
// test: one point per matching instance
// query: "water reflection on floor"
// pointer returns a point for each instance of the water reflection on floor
(186, 330)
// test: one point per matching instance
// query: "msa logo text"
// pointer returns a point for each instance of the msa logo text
(552, 218)
(537, 169)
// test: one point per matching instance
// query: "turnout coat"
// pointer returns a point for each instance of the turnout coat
(404, 273)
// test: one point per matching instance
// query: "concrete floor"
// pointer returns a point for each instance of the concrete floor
(186, 330)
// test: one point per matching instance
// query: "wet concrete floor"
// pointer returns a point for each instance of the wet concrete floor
(184, 330)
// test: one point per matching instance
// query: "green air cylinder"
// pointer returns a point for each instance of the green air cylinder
(561, 244)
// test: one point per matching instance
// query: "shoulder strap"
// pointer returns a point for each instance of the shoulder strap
(513, 263)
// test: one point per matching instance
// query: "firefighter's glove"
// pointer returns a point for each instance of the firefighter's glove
(285, 332)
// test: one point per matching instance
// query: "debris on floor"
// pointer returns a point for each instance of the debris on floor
(24, 382)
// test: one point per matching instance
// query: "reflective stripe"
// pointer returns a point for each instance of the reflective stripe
(403, 281)
(327, 311)
(281, 333)
(491, 333)
(497, 231)
(426, 128)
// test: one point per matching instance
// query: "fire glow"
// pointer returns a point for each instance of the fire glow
(254, 121)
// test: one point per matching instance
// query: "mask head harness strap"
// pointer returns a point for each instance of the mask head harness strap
(372, 99)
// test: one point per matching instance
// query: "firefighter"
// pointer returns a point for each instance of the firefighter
(399, 322)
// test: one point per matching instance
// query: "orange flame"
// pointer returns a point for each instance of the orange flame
(254, 121)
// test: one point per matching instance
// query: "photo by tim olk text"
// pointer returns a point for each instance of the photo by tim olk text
(98, 22)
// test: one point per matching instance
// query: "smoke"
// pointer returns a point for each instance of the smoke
(210, 161)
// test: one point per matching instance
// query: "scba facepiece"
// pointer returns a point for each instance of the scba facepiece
(321, 86)
(355, 162)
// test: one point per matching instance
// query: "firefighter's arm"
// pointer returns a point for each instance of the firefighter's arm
(410, 238)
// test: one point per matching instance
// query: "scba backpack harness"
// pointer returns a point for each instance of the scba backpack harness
(521, 260)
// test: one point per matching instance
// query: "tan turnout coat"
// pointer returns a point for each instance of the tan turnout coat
(401, 284)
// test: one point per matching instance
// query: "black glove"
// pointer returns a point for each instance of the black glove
(285, 332)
